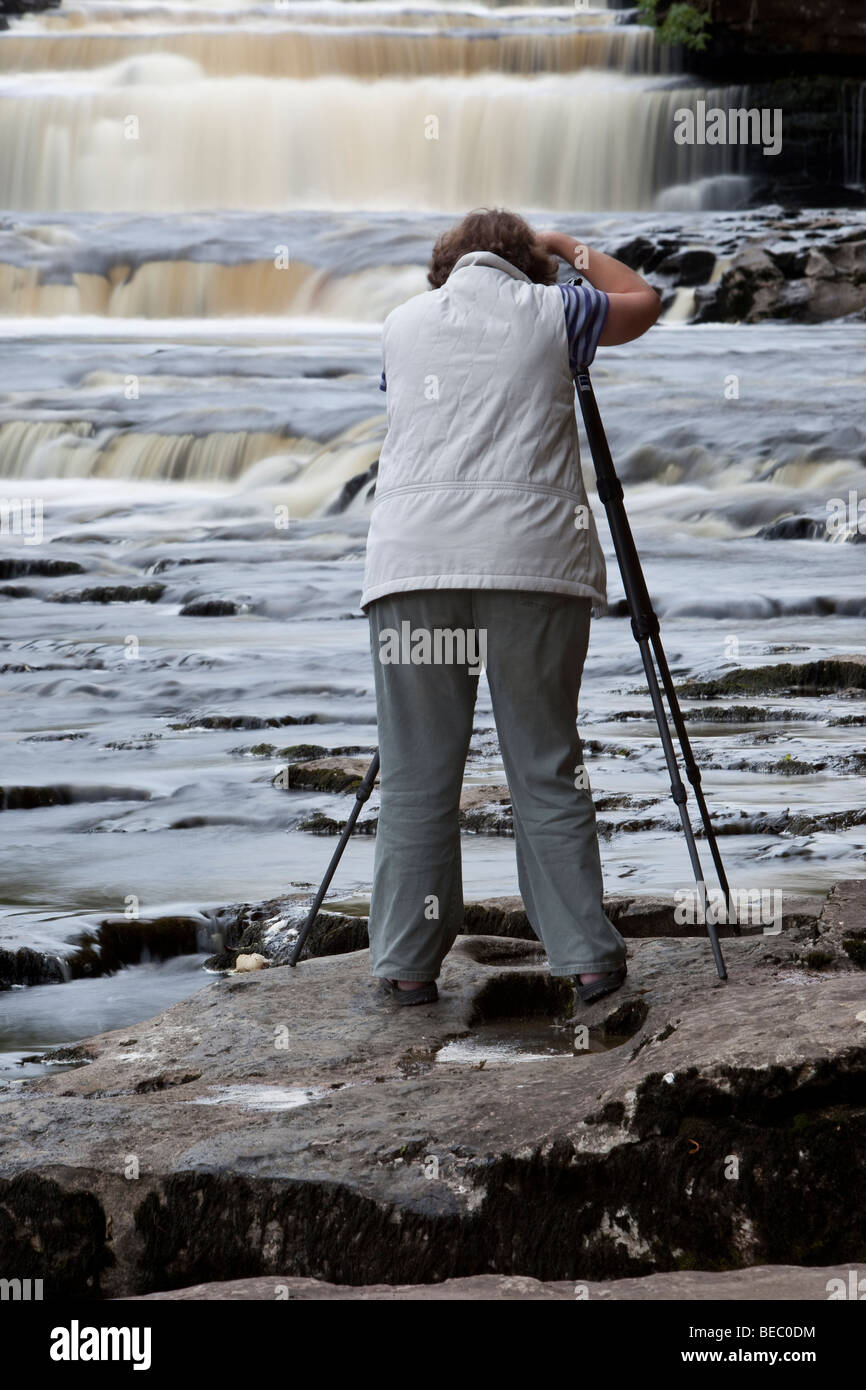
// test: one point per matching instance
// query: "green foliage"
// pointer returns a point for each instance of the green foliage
(683, 23)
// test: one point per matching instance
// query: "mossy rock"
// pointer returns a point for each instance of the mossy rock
(324, 775)
(807, 678)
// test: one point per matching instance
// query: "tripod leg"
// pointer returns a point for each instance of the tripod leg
(680, 797)
(693, 773)
(361, 795)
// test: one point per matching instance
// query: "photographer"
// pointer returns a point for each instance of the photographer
(481, 525)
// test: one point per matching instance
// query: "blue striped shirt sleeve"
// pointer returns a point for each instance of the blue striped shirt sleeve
(585, 316)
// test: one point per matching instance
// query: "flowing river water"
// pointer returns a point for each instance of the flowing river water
(206, 213)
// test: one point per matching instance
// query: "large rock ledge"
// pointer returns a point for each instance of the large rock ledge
(779, 1282)
(292, 1123)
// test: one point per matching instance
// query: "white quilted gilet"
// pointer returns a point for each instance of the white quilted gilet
(479, 483)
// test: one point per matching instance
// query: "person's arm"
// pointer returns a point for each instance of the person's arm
(634, 305)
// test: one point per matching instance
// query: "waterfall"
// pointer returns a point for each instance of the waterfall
(186, 289)
(592, 140)
(173, 172)
(36, 450)
(315, 50)
(353, 105)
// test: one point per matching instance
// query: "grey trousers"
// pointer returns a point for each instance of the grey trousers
(535, 650)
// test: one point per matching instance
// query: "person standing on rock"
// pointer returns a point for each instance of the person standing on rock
(482, 550)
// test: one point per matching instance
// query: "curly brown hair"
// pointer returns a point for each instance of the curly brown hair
(492, 229)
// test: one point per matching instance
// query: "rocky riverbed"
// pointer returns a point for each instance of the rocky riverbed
(317, 783)
(290, 1123)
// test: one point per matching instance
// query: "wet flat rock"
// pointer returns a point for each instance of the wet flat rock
(293, 1122)
(327, 774)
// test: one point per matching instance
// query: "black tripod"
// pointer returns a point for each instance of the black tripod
(645, 626)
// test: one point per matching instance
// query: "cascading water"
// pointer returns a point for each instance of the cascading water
(176, 124)
(376, 108)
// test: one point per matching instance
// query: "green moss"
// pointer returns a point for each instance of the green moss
(789, 766)
(683, 23)
(323, 779)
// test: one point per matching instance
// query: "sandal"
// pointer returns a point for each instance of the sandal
(597, 989)
(425, 994)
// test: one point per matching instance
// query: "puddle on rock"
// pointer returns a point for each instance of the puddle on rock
(261, 1097)
(504, 1041)
(18, 1067)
